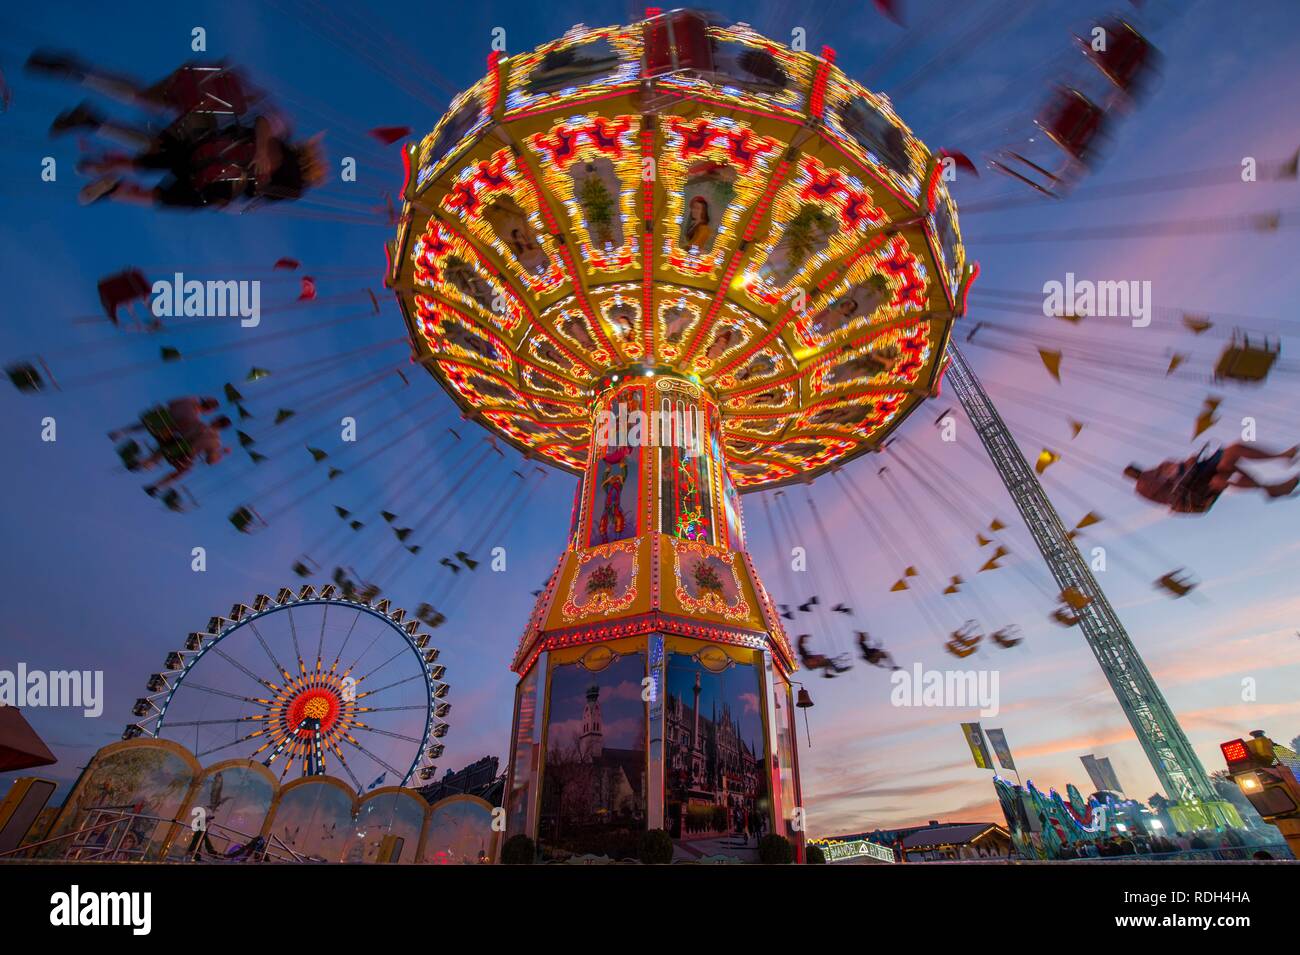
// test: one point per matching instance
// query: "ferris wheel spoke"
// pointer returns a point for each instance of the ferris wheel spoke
(378, 636)
(338, 656)
(279, 667)
(373, 729)
(241, 719)
(245, 670)
(390, 709)
(233, 742)
(233, 696)
(389, 686)
(382, 665)
(338, 751)
(396, 773)
(293, 631)
(320, 644)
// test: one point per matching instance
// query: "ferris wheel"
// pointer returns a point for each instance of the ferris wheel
(313, 682)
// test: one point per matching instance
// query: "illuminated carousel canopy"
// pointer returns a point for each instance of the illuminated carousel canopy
(680, 195)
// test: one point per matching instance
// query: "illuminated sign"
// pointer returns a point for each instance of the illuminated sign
(843, 851)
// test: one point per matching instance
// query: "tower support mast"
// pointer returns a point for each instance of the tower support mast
(1175, 763)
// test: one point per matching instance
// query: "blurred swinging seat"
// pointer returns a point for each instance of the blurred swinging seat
(1071, 121)
(1177, 582)
(1247, 361)
(214, 90)
(1126, 56)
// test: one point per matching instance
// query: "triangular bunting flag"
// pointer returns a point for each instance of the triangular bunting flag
(1052, 362)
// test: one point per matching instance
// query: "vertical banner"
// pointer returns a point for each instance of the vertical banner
(975, 740)
(1094, 771)
(1108, 775)
(998, 740)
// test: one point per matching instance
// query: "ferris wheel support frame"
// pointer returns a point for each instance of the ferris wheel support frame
(1171, 756)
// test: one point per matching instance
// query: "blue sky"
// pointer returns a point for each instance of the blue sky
(99, 576)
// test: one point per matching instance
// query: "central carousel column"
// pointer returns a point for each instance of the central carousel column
(654, 672)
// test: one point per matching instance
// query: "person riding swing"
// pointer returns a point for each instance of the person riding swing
(1192, 486)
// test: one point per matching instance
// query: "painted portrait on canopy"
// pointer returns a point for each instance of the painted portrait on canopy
(677, 319)
(575, 327)
(859, 302)
(876, 133)
(511, 225)
(862, 367)
(578, 65)
(749, 67)
(466, 279)
(623, 317)
(459, 334)
(454, 130)
(760, 366)
(709, 189)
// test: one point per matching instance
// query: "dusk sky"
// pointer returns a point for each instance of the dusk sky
(99, 576)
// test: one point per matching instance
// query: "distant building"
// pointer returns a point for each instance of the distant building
(480, 779)
(940, 841)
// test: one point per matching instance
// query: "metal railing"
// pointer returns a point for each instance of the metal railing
(104, 835)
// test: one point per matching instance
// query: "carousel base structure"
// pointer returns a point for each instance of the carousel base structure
(655, 688)
(657, 720)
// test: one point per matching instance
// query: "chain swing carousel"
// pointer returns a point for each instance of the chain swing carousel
(681, 262)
